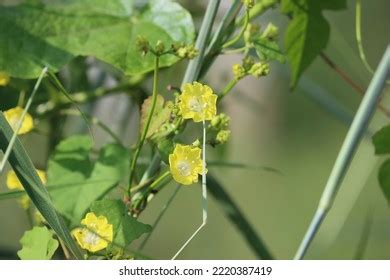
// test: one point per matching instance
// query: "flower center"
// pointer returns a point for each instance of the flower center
(91, 238)
(195, 105)
(184, 168)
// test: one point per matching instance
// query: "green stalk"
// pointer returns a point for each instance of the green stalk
(146, 128)
(344, 158)
(239, 35)
(359, 36)
(193, 68)
(227, 89)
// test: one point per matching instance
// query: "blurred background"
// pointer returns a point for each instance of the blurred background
(297, 133)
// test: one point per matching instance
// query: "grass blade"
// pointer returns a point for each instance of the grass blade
(234, 214)
(344, 158)
(20, 122)
(27, 175)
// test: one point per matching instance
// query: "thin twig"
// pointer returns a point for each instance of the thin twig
(147, 124)
(350, 81)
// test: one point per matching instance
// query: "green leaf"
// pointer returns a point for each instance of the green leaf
(53, 34)
(384, 179)
(268, 50)
(37, 244)
(160, 116)
(381, 140)
(27, 175)
(234, 214)
(308, 32)
(70, 165)
(126, 228)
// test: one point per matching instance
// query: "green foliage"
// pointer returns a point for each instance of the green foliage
(161, 114)
(308, 32)
(38, 244)
(53, 34)
(268, 50)
(82, 181)
(384, 178)
(27, 175)
(381, 140)
(126, 228)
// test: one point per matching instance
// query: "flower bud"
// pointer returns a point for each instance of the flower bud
(223, 136)
(248, 63)
(259, 69)
(196, 143)
(248, 3)
(250, 31)
(270, 32)
(142, 45)
(160, 47)
(238, 71)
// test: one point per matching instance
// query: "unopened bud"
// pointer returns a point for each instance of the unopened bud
(160, 47)
(270, 32)
(259, 69)
(238, 71)
(223, 136)
(142, 45)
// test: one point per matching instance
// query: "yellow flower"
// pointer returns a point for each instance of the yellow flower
(96, 234)
(4, 79)
(13, 116)
(185, 164)
(13, 183)
(198, 102)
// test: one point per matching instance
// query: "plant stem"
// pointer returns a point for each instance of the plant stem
(148, 121)
(359, 36)
(239, 35)
(227, 89)
(344, 158)
(193, 68)
(155, 186)
(349, 81)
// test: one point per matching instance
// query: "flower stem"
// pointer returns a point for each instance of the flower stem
(155, 186)
(359, 36)
(227, 89)
(142, 138)
(238, 37)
